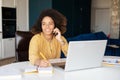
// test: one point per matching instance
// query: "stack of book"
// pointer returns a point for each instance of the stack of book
(111, 61)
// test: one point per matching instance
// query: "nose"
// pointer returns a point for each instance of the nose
(47, 25)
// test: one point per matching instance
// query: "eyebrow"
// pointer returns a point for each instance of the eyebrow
(49, 22)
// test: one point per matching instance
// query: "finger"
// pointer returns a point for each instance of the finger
(46, 63)
(56, 29)
(43, 65)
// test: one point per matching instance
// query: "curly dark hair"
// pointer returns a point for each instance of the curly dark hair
(58, 18)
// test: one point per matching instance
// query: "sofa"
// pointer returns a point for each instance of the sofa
(22, 39)
(110, 50)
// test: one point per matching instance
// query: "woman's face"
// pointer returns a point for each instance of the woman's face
(48, 25)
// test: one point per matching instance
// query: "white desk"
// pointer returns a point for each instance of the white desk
(103, 73)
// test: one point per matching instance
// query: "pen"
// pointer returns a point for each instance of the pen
(43, 56)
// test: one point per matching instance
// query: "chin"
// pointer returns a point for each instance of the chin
(48, 33)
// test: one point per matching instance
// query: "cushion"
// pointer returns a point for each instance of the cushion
(80, 37)
(101, 35)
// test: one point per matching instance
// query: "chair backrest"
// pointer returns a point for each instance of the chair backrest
(22, 39)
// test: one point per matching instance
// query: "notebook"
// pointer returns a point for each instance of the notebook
(31, 69)
(85, 54)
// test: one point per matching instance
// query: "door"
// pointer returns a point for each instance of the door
(102, 20)
(77, 13)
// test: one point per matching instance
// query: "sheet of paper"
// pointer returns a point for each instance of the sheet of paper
(10, 74)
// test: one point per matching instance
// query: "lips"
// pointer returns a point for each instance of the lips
(47, 30)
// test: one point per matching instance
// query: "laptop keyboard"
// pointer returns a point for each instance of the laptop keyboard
(58, 62)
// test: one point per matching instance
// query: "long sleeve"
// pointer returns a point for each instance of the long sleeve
(33, 50)
(65, 46)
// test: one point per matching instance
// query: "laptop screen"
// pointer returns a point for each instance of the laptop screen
(82, 55)
(85, 54)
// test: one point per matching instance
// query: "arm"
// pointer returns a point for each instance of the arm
(64, 46)
(34, 56)
(33, 50)
(62, 40)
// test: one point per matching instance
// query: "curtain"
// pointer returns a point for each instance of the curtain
(115, 19)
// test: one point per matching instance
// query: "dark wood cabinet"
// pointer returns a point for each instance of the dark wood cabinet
(78, 14)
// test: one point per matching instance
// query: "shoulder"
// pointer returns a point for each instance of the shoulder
(36, 37)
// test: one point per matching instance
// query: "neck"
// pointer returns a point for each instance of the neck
(48, 37)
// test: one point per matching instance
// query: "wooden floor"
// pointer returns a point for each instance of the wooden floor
(7, 61)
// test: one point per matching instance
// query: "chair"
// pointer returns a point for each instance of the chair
(22, 39)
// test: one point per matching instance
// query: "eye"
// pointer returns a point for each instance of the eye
(51, 23)
(43, 24)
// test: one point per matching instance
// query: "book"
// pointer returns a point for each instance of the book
(111, 61)
(30, 69)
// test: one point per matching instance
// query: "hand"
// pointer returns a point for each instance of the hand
(57, 33)
(42, 63)
(58, 36)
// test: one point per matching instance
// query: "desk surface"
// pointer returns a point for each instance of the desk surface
(103, 73)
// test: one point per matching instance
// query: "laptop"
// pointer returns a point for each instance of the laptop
(85, 54)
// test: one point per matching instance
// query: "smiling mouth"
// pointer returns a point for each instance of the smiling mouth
(48, 30)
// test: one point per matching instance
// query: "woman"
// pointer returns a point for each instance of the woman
(48, 40)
